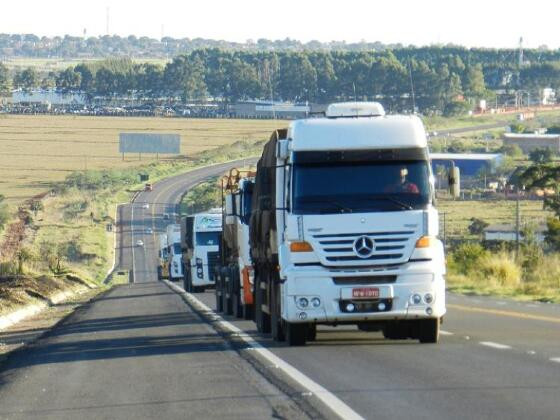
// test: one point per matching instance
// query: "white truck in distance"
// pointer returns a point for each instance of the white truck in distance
(174, 252)
(163, 258)
(343, 228)
(234, 285)
(201, 244)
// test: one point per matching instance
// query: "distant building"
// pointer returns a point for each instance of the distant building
(47, 97)
(506, 232)
(530, 142)
(267, 109)
(470, 164)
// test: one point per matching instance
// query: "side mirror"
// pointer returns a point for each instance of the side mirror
(454, 181)
(229, 204)
(282, 149)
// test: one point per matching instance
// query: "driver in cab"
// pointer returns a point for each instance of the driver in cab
(402, 185)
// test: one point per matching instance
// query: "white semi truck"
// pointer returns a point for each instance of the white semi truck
(201, 247)
(234, 285)
(344, 230)
(163, 258)
(174, 252)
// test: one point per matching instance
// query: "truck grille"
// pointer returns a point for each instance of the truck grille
(213, 263)
(338, 249)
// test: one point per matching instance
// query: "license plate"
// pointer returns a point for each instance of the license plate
(365, 293)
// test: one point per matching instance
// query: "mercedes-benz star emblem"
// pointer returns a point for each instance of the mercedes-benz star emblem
(364, 247)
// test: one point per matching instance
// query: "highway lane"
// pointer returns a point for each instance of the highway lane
(497, 359)
(138, 351)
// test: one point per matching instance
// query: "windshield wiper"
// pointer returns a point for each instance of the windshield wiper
(387, 198)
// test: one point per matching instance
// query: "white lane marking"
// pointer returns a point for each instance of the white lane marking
(495, 345)
(501, 303)
(532, 352)
(132, 244)
(442, 332)
(329, 399)
(555, 359)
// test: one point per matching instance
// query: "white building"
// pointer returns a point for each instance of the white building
(506, 232)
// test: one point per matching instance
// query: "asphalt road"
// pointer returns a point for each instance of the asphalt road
(141, 352)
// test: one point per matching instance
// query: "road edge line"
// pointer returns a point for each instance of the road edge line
(335, 404)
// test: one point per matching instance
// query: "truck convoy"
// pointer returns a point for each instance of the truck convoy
(174, 252)
(234, 285)
(343, 228)
(200, 242)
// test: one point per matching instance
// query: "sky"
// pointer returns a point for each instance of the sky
(473, 23)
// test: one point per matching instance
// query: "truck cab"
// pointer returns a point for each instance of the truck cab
(174, 251)
(163, 258)
(203, 254)
(344, 227)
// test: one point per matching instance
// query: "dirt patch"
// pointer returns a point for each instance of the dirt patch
(18, 291)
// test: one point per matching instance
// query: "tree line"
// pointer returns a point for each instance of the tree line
(447, 80)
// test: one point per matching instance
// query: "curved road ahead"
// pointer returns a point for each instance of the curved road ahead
(141, 352)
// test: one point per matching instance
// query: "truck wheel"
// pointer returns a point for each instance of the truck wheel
(228, 307)
(262, 319)
(396, 331)
(312, 332)
(275, 316)
(159, 273)
(235, 296)
(218, 293)
(248, 312)
(296, 334)
(428, 331)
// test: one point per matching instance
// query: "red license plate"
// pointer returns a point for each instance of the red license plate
(365, 293)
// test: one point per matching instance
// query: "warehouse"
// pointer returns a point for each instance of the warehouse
(530, 142)
(470, 164)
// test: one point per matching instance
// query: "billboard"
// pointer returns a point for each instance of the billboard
(149, 143)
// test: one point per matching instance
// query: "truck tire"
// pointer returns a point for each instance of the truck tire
(248, 312)
(226, 290)
(261, 319)
(312, 332)
(235, 295)
(275, 314)
(296, 334)
(428, 331)
(396, 331)
(218, 292)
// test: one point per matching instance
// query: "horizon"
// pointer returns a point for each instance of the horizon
(432, 23)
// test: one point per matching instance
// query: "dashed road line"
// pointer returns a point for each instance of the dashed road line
(442, 332)
(555, 359)
(329, 399)
(495, 345)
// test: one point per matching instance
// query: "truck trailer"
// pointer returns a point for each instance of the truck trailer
(163, 258)
(343, 228)
(234, 285)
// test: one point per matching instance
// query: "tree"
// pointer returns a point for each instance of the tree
(27, 80)
(4, 79)
(23, 256)
(539, 155)
(474, 82)
(68, 80)
(477, 226)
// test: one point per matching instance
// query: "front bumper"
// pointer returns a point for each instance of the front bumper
(420, 278)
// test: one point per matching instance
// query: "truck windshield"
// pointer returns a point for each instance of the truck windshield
(176, 248)
(349, 187)
(208, 238)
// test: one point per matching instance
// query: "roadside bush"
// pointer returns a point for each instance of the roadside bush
(500, 270)
(467, 257)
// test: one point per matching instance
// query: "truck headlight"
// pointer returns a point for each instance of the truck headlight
(416, 299)
(303, 302)
(315, 302)
(428, 298)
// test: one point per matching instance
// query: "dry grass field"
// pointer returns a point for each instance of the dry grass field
(39, 150)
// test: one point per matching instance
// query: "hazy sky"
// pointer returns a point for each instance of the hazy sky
(488, 23)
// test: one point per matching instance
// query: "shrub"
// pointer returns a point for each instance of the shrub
(467, 256)
(500, 270)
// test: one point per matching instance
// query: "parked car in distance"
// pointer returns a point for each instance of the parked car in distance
(148, 187)
(139, 242)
